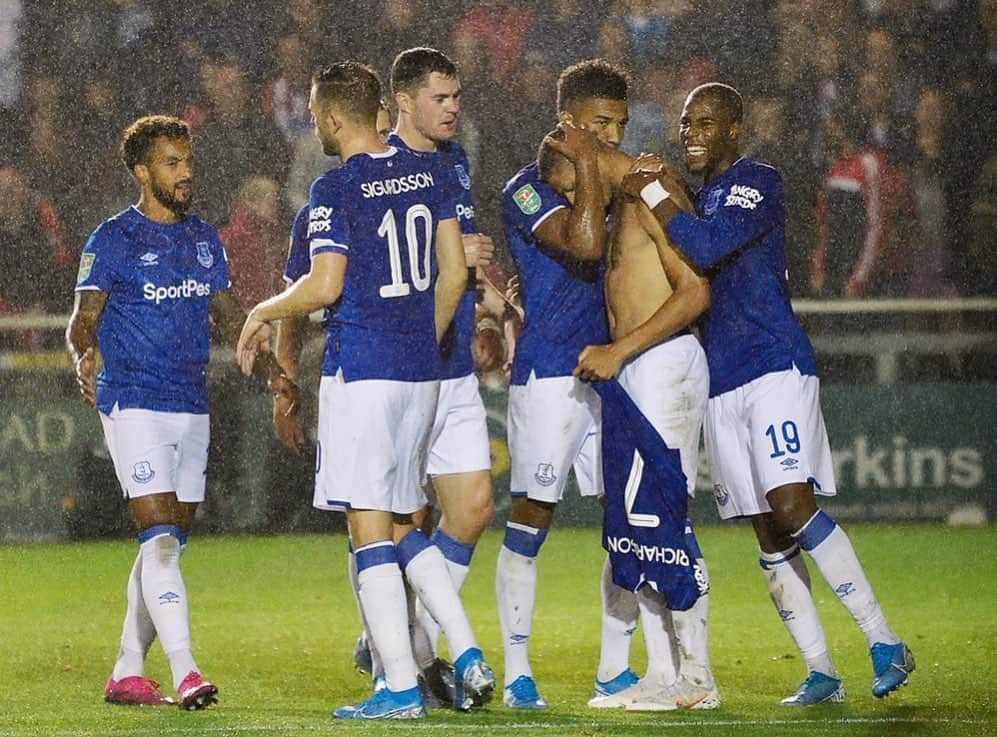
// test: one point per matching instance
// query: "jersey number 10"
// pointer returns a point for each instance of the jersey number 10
(418, 262)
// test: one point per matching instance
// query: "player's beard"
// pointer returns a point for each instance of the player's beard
(165, 198)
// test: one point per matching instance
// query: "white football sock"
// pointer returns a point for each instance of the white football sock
(515, 591)
(426, 571)
(693, 638)
(376, 667)
(619, 620)
(458, 559)
(138, 631)
(789, 586)
(165, 598)
(656, 626)
(832, 552)
(382, 598)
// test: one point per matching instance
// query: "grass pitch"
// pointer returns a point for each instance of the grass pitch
(274, 624)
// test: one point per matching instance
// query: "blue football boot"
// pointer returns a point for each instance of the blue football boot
(891, 664)
(816, 689)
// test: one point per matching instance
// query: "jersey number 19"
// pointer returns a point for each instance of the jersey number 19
(418, 245)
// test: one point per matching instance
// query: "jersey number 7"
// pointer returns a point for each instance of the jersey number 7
(630, 495)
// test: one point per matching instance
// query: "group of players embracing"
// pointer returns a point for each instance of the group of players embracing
(617, 264)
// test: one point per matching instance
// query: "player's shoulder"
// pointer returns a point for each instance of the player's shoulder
(756, 171)
(116, 228)
(300, 223)
(199, 228)
(526, 176)
(329, 184)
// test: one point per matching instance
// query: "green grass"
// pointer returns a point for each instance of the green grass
(274, 624)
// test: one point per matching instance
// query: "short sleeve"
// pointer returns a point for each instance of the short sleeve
(98, 263)
(529, 204)
(449, 190)
(299, 261)
(328, 219)
(219, 274)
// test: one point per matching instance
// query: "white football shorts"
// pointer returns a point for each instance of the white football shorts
(554, 425)
(373, 440)
(158, 452)
(670, 384)
(763, 435)
(459, 439)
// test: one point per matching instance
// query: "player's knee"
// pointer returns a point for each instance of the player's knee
(162, 542)
(792, 505)
(526, 511)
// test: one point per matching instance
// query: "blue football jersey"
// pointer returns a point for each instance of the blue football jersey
(562, 296)
(455, 347)
(647, 501)
(154, 332)
(738, 240)
(381, 211)
(299, 259)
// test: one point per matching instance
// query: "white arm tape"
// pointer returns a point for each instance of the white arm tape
(653, 194)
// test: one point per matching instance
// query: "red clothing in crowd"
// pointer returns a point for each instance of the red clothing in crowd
(256, 250)
(502, 30)
(864, 225)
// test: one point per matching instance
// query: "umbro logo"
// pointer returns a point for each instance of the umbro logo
(786, 615)
(518, 639)
(150, 259)
(844, 589)
(169, 598)
(789, 463)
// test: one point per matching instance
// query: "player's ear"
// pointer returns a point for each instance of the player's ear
(404, 102)
(141, 174)
(734, 132)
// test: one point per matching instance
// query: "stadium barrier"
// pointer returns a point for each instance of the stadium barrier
(901, 451)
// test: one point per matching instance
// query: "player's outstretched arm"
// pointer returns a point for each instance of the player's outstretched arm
(320, 287)
(228, 315)
(452, 277)
(81, 340)
(287, 348)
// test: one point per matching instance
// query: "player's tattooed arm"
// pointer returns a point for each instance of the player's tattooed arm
(81, 340)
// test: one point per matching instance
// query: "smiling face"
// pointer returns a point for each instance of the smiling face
(709, 135)
(168, 172)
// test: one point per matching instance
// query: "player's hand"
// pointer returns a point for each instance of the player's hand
(86, 377)
(572, 142)
(598, 363)
(478, 249)
(255, 337)
(286, 421)
(644, 170)
(512, 299)
(647, 168)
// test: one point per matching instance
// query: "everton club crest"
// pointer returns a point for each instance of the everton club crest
(204, 256)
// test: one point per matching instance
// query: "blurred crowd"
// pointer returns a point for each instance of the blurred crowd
(879, 114)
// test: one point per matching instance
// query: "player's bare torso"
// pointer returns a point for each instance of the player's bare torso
(636, 283)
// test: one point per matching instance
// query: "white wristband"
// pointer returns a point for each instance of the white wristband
(653, 194)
